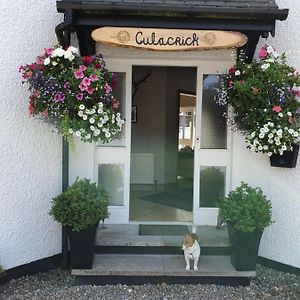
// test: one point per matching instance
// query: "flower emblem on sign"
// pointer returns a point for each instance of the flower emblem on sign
(123, 36)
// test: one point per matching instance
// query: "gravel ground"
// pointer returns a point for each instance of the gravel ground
(58, 284)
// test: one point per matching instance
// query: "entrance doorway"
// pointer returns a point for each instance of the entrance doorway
(162, 143)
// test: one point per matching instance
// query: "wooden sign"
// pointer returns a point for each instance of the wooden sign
(168, 39)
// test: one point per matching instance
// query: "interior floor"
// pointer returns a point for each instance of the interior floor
(145, 207)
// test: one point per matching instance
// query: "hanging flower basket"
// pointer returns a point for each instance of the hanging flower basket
(74, 93)
(264, 97)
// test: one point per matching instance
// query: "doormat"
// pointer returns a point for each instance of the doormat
(179, 198)
(163, 230)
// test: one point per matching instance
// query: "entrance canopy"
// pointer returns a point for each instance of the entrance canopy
(254, 18)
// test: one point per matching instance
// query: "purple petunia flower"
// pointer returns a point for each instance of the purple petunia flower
(59, 97)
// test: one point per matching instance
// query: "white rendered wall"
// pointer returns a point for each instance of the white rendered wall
(30, 154)
(281, 241)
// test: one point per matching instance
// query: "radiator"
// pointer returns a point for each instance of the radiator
(142, 168)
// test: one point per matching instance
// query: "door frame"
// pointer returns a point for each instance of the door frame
(201, 216)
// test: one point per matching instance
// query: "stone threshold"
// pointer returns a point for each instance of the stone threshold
(160, 266)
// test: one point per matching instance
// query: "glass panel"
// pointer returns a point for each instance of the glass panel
(111, 177)
(162, 145)
(119, 93)
(213, 122)
(212, 185)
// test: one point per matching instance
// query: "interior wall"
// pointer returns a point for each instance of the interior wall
(148, 133)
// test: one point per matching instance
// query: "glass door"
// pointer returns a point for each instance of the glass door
(212, 148)
(112, 161)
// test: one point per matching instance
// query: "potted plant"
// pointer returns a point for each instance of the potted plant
(264, 100)
(74, 93)
(80, 208)
(247, 213)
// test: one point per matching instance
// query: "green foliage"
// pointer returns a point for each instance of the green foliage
(81, 205)
(2, 271)
(246, 209)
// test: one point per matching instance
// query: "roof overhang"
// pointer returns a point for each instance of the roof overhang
(84, 16)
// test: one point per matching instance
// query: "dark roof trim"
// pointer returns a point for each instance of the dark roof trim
(194, 11)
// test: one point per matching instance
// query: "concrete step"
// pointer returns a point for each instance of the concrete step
(125, 268)
(128, 236)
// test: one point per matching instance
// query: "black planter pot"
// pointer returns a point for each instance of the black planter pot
(82, 247)
(245, 247)
(287, 160)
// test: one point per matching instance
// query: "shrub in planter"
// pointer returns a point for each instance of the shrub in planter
(247, 213)
(80, 208)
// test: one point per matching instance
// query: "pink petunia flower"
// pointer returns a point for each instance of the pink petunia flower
(262, 52)
(82, 86)
(79, 74)
(276, 108)
(82, 68)
(79, 96)
(49, 51)
(93, 77)
(107, 88)
(90, 90)
(290, 120)
(86, 81)
(296, 92)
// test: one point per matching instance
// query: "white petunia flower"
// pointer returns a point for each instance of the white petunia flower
(107, 134)
(280, 115)
(261, 135)
(270, 135)
(80, 113)
(58, 52)
(296, 134)
(73, 49)
(92, 120)
(265, 147)
(47, 61)
(237, 73)
(78, 133)
(81, 106)
(289, 113)
(84, 117)
(291, 131)
(260, 148)
(54, 63)
(92, 128)
(265, 66)
(253, 134)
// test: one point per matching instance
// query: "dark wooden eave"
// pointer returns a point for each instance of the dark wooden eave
(254, 18)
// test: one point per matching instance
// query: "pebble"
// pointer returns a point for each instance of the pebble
(59, 284)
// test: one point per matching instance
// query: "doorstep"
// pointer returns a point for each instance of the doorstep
(125, 268)
(128, 235)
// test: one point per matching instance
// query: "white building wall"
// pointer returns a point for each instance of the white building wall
(281, 241)
(30, 154)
